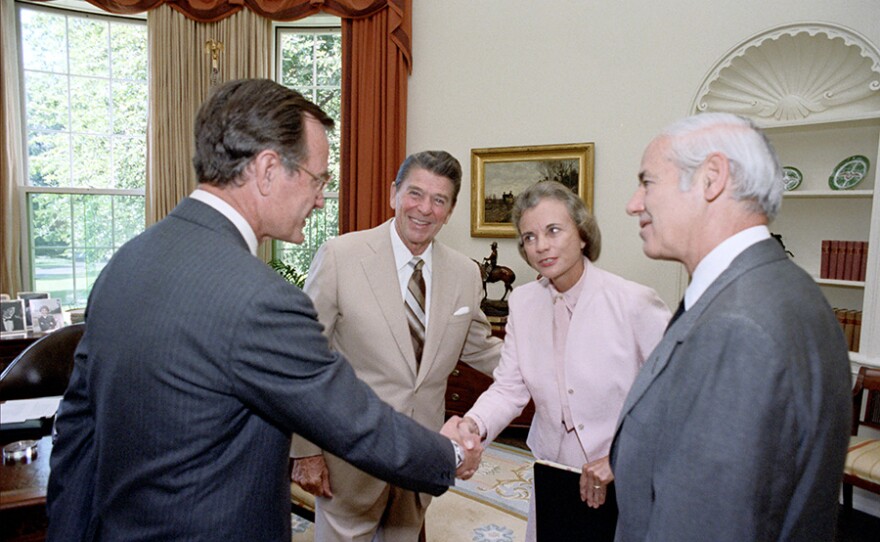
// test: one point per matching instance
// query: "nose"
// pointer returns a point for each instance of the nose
(424, 206)
(319, 201)
(636, 204)
(541, 243)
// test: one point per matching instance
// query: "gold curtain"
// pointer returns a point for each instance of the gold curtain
(11, 154)
(180, 77)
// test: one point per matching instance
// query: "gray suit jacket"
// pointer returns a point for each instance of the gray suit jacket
(736, 428)
(197, 364)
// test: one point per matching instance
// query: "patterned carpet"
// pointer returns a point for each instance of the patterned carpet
(490, 507)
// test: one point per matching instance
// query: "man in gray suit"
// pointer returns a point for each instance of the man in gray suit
(736, 428)
(176, 424)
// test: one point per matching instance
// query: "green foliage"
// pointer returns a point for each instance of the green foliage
(311, 63)
(289, 272)
(85, 87)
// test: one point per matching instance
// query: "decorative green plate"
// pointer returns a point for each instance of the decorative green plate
(849, 173)
(791, 177)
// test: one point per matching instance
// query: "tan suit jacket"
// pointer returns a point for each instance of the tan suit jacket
(353, 283)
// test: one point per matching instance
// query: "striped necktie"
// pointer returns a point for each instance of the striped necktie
(415, 307)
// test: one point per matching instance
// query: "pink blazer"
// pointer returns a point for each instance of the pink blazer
(614, 328)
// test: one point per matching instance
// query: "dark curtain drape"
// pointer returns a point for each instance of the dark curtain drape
(377, 58)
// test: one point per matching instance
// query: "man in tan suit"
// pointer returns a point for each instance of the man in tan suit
(360, 284)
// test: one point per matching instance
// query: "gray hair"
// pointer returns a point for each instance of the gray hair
(754, 165)
(244, 117)
(587, 226)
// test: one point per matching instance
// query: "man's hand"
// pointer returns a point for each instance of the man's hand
(312, 475)
(594, 477)
(459, 430)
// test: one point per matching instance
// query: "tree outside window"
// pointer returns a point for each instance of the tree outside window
(85, 94)
(309, 60)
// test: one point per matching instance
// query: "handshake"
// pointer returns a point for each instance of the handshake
(465, 432)
(312, 475)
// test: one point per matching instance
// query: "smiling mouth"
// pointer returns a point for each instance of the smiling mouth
(420, 223)
(544, 262)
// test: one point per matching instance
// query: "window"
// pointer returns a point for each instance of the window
(84, 81)
(309, 60)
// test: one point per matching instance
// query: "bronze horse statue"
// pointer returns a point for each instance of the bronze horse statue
(491, 272)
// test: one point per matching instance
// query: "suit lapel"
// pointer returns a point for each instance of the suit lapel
(443, 296)
(761, 253)
(381, 274)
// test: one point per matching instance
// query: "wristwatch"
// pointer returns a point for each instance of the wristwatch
(459, 453)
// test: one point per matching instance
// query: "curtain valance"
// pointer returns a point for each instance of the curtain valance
(207, 11)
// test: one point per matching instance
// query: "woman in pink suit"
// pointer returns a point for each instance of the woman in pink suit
(575, 340)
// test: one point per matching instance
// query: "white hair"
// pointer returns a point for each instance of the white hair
(754, 166)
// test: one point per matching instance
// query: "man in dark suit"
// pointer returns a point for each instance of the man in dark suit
(736, 428)
(177, 421)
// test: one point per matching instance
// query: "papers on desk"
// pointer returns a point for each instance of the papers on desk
(28, 409)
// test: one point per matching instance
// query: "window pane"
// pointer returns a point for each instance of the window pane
(328, 61)
(129, 155)
(311, 62)
(129, 51)
(296, 60)
(49, 162)
(46, 100)
(43, 41)
(90, 104)
(129, 108)
(72, 242)
(91, 161)
(89, 47)
(86, 111)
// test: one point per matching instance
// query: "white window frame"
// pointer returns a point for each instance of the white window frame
(78, 8)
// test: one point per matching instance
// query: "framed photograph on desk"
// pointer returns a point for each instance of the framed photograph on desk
(13, 314)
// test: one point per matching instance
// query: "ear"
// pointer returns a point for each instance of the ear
(716, 175)
(392, 200)
(265, 168)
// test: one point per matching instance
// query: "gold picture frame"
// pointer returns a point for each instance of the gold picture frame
(499, 174)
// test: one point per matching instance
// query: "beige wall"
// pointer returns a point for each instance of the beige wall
(492, 73)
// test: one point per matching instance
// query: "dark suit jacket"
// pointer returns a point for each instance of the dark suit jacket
(198, 363)
(736, 428)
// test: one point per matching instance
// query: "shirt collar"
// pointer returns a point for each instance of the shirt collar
(402, 255)
(570, 297)
(230, 213)
(719, 259)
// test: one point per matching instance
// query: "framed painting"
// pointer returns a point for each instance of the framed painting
(498, 175)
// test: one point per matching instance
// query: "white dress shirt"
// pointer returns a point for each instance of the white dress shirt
(229, 212)
(714, 263)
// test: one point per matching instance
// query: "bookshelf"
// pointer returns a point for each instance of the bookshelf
(818, 108)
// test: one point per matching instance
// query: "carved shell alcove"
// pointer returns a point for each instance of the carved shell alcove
(800, 72)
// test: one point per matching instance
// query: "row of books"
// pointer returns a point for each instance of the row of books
(851, 322)
(844, 260)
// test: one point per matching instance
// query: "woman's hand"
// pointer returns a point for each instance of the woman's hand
(595, 477)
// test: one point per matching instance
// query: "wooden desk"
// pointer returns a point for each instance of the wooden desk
(24, 484)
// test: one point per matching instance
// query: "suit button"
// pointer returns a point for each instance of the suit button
(455, 397)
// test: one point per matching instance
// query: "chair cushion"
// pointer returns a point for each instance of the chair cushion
(863, 459)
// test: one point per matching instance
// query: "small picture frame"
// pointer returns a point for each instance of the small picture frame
(26, 297)
(13, 317)
(498, 175)
(47, 314)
